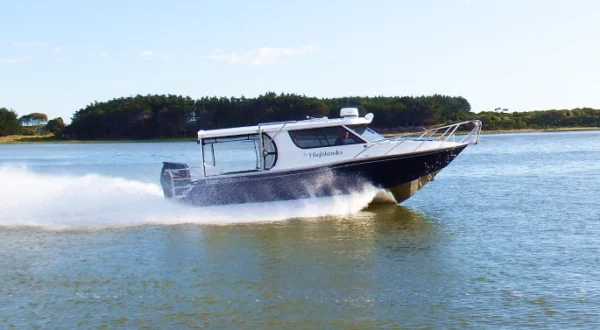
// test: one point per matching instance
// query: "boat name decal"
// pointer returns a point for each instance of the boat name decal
(320, 154)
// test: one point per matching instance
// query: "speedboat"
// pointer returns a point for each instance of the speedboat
(316, 157)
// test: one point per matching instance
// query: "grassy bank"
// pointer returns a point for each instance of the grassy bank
(26, 138)
(51, 138)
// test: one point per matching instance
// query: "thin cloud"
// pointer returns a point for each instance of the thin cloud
(14, 60)
(27, 44)
(63, 59)
(146, 54)
(58, 50)
(173, 54)
(260, 56)
(102, 55)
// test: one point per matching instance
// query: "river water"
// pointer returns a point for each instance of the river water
(507, 236)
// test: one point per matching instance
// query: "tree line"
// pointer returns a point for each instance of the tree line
(31, 124)
(173, 116)
(167, 116)
(541, 119)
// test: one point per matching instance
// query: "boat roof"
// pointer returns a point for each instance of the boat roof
(286, 126)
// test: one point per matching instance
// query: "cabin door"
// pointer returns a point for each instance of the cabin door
(269, 152)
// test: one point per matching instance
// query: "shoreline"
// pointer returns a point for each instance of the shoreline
(541, 130)
(522, 130)
(22, 139)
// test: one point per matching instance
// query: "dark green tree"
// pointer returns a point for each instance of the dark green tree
(55, 125)
(9, 122)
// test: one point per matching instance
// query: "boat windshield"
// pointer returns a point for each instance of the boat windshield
(366, 133)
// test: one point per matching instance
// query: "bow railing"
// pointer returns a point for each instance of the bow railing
(446, 133)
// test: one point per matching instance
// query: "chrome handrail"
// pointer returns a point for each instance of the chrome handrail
(430, 132)
(447, 133)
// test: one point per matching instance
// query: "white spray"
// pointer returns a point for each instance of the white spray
(95, 202)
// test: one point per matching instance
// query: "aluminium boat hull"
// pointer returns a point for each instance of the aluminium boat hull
(402, 175)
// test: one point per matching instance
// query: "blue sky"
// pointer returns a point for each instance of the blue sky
(58, 56)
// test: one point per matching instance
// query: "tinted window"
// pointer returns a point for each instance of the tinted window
(323, 137)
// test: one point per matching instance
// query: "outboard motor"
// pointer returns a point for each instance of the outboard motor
(175, 179)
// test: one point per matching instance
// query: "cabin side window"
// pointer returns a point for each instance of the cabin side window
(323, 137)
(238, 154)
(208, 152)
(231, 154)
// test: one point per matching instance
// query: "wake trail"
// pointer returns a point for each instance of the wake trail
(65, 202)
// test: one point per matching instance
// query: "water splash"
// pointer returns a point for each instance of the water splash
(383, 197)
(92, 201)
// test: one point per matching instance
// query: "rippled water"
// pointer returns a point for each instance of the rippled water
(506, 237)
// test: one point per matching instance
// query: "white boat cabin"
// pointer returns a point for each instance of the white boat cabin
(313, 142)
